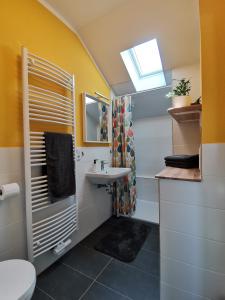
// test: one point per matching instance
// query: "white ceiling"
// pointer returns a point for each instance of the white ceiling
(79, 13)
(108, 27)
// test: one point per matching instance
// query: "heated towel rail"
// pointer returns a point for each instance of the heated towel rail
(48, 100)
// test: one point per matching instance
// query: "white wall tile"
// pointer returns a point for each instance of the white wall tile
(147, 211)
(13, 238)
(12, 210)
(94, 204)
(147, 189)
(189, 249)
(168, 292)
(213, 159)
(192, 235)
(11, 160)
(209, 193)
(147, 127)
(196, 220)
(192, 279)
(153, 141)
(87, 193)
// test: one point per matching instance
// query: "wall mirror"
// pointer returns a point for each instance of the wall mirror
(97, 120)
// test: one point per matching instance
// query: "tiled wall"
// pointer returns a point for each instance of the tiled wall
(147, 207)
(153, 141)
(94, 204)
(12, 210)
(192, 232)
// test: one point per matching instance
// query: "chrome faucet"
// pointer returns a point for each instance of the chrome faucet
(103, 163)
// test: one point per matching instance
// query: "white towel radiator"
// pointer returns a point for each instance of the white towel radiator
(48, 105)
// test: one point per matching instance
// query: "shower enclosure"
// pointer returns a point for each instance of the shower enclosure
(153, 141)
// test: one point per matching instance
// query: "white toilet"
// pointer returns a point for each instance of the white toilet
(17, 280)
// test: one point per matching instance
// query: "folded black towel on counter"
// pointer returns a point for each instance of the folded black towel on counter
(182, 158)
(183, 165)
(182, 161)
(60, 165)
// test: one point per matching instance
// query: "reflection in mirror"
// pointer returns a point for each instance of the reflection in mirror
(96, 119)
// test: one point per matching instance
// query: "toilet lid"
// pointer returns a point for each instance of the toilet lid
(16, 278)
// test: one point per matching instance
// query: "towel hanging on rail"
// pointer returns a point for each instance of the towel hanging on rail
(60, 165)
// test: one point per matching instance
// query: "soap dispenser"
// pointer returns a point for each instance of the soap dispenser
(94, 167)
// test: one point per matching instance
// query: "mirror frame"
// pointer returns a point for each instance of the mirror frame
(85, 140)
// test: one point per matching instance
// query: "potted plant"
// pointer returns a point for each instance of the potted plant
(180, 93)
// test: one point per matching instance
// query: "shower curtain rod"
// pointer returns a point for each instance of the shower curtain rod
(145, 91)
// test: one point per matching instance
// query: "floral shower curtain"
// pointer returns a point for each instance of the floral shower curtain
(103, 121)
(124, 193)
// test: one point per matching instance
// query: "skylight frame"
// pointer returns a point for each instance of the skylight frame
(137, 63)
(144, 81)
(138, 67)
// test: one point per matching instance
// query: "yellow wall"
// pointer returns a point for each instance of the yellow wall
(212, 15)
(27, 23)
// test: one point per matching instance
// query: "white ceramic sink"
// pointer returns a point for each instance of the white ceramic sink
(107, 176)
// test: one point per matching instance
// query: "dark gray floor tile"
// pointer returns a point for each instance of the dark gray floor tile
(62, 283)
(116, 221)
(147, 261)
(86, 260)
(91, 240)
(130, 281)
(154, 228)
(39, 295)
(99, 292)
(152, 242)
(113, 220)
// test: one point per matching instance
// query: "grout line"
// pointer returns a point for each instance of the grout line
(192, 265)
(113, 290)
(103, 269)
(165, 228)
(127, 264)
(184, 291)
(78, 271)
(45, 293)
(85, 292)
(191, 204)
(147, 250)
(137, 268)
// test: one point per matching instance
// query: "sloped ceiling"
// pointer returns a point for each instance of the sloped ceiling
(108, 27)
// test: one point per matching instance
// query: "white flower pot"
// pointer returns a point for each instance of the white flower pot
(181, 101)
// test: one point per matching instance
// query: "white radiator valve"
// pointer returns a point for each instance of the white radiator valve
(61, 247)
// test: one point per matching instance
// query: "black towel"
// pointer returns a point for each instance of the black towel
(182, 161)
(182, 158)
(183, 165)
(60, 165)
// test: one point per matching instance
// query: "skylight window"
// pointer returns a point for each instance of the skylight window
(144, 65)
(147, 58)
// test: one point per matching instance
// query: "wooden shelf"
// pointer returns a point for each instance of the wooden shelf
(186, 113)
(180, 174)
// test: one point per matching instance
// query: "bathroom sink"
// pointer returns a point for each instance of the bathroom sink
(108, 175)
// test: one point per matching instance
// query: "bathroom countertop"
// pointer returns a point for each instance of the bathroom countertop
(179, 174)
